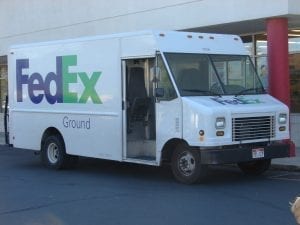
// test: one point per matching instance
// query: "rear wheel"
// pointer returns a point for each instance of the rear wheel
(186, 165)
(54, 154)
(255, 167)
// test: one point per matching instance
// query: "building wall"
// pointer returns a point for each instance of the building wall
(35, 20)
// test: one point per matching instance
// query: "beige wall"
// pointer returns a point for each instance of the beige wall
(36, 20)
(23, 21)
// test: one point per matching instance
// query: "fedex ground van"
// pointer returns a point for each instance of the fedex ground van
(190, 99)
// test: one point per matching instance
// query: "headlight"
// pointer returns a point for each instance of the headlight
(282, 119)
(220, 123)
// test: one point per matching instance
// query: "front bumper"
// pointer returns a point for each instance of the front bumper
(243, 153)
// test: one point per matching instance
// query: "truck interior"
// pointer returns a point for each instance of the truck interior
(140, 109)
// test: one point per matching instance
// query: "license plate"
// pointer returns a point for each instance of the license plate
(258, 153)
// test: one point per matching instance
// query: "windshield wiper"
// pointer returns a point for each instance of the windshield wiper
(202, 91)
(262, 91)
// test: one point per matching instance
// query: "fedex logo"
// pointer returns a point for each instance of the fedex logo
(39, 88)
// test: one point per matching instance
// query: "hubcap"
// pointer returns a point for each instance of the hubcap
(53, 153)
(186, 163)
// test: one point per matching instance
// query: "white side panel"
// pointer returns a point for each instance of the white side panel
(138, 46)
(89, 128)
(168, 123)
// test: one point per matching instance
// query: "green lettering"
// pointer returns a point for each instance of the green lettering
(89, 85)
(69, 78)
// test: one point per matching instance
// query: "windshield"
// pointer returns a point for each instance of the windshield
(199, 74)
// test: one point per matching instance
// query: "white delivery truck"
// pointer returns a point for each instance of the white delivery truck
(147, 97)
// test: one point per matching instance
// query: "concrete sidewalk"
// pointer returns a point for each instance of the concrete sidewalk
(292, 163)
(281, 164)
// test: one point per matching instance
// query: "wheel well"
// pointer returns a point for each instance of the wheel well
(169, 148)
(48, 132)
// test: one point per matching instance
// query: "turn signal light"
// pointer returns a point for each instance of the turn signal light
(220, 133)
(281, 128)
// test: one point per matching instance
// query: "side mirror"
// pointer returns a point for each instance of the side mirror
(159, 92)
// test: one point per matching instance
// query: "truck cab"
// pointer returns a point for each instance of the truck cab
(211, 107)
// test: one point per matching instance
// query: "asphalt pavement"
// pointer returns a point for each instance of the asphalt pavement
(112, 193)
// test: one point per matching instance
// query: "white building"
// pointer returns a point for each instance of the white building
(270, 30)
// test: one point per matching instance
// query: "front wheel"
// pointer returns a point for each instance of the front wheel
(186, 165)
(255, 167)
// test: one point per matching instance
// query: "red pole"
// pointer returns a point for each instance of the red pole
(278, 63)
(278, 59)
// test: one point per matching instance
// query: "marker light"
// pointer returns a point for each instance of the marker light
(201, 132)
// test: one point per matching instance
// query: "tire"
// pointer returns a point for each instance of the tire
(186, 165)
(255, 167)
(54, 154)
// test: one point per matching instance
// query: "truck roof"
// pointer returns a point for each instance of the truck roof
(167, 41)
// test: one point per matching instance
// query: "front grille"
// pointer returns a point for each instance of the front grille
(251, 128)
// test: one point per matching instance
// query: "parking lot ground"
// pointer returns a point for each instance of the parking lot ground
(106, 192)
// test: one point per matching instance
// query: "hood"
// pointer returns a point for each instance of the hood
(243, 103)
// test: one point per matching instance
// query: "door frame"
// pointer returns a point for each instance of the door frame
(150, 90)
